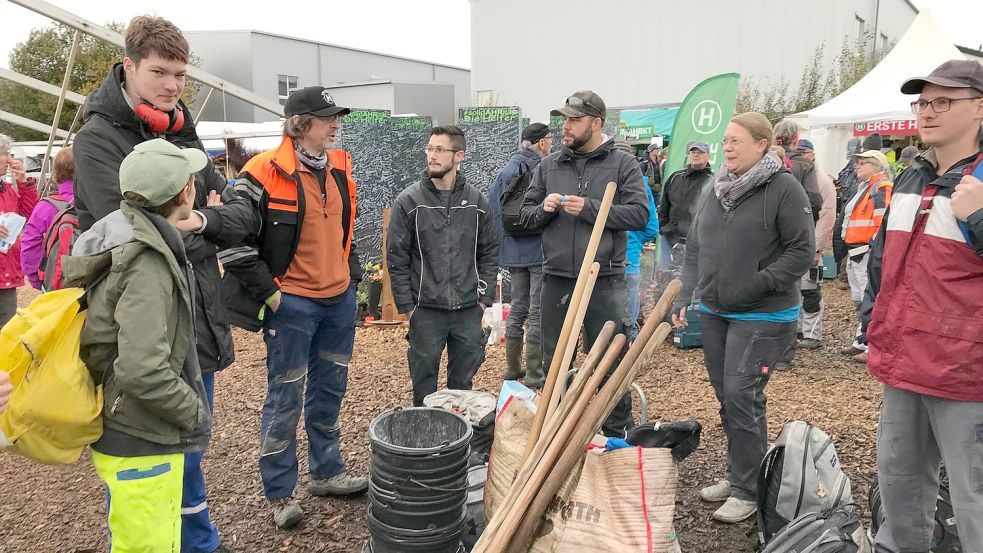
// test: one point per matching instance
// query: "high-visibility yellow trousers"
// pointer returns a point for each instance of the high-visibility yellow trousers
(144, 501)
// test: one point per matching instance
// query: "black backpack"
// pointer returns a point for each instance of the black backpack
(511, 203)
(945, 537)
(836, 532)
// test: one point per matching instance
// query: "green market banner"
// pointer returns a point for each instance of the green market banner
(703, 115)
(643, 124)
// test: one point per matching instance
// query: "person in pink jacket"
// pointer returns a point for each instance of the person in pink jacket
(18, 194)
(32, 243)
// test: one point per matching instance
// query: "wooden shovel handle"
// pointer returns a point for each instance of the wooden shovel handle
(568, 321)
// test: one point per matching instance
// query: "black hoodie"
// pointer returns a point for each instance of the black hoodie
(565, 236)
(110, 131)
(750, 259)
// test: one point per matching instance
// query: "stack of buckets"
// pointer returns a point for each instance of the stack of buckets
(418, 481)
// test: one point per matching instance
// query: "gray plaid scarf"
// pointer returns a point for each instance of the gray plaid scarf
(317, 162)
(730, 187)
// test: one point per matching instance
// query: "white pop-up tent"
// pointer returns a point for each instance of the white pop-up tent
(877, 96)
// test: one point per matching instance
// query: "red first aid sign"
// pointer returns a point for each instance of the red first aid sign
(888, 128)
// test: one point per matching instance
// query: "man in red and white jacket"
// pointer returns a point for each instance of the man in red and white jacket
(923, 312)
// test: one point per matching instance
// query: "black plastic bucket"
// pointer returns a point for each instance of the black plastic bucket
(415, 484)
(418, 480)
(417, 515)
(393, 539)
(451, 465)
(421, 440)
(413, 491)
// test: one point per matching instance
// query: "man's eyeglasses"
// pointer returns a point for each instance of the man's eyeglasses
(439, 150)
(731, 141)
(579, 103)
(939, 105)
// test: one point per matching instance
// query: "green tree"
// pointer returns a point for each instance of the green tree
(44, 56)
(816, 84)
(854, 61)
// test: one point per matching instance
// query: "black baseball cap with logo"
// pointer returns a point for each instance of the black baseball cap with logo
(951, 74)
(581, 103)
(315, 100)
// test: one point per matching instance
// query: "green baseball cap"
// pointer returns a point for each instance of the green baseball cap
(158, 170)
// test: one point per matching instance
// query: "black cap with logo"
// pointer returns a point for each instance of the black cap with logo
(315, 100)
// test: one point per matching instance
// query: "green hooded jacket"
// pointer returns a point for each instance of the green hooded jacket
(138, 336)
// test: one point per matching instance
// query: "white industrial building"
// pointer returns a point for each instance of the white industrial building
(640, 52)
(273, 66)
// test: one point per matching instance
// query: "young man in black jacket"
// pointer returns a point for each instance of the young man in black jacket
(442, 251)
(563, 200)
(139, 100)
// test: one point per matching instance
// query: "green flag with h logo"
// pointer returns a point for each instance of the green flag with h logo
(703, 115)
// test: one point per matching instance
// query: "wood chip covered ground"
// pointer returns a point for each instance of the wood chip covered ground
(62, 509)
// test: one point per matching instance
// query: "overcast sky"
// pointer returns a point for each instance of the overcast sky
(432, 30)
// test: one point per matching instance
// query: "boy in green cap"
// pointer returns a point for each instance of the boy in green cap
(138, 343)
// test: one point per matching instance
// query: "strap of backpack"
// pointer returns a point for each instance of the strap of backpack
(763, 471)
(58, 201)
(84, 300)
(806, 458)
(522, 171)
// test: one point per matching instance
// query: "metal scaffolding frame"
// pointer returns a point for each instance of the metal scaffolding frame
(85, 26)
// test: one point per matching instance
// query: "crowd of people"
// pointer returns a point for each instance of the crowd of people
(156, 219)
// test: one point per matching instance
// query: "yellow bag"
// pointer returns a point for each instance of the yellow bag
(55, 409)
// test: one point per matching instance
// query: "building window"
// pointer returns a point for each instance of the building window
(860, 26)
(486, 97)
(287, 85)
(883, 42)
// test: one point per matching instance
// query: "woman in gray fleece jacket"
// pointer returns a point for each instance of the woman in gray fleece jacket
(752, 240)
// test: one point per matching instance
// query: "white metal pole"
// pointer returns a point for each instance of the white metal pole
(201, 111)
(61, 102)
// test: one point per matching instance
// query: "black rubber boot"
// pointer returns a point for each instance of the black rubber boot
(534, 365)
(513, 359)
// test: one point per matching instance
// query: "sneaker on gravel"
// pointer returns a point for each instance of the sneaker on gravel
(717, 492)
(810, 343)
(783, 366)
(735, 510)
(860, 358)
(340, 485)
(286, 513)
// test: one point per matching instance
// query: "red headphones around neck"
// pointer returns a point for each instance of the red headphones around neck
(160, 121)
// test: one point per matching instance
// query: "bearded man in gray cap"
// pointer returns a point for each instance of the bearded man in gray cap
(563, 201)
